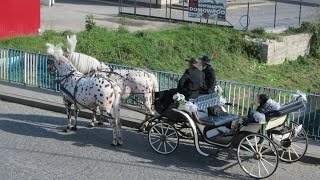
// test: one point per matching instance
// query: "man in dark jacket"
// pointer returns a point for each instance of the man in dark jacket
(192, 81)
(210, 77)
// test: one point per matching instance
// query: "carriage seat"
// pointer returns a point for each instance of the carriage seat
(216, 120)
(285, 109)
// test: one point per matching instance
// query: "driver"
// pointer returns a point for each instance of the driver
(192, 81)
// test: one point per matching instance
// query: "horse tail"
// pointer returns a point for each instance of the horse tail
(71, 43)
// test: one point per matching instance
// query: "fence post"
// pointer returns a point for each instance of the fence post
(10, 64)
(170, 9)
(166, 8)
(300, 13)
(275, 14)
(248, 11)
(183, 9)
(135, 7)
(150, 8)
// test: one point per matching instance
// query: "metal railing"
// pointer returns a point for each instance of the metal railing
(30, 68)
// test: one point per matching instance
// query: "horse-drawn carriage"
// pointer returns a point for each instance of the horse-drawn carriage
(258, 145)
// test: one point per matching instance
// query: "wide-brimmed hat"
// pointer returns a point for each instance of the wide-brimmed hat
(206, 59)
(193, 61)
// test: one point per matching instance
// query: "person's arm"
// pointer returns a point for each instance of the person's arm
(183, 79)
(212, 81)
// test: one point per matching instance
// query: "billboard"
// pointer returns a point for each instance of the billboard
(208, 9)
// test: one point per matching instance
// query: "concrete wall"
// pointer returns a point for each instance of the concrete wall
(288, 47)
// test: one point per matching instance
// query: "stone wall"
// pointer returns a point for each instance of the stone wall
(286, 48)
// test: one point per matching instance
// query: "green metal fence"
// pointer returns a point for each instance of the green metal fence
(30, 68)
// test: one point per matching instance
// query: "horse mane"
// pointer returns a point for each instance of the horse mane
(83, 63)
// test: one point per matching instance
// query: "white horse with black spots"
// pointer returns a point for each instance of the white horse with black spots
(85, 92)
(132, 82)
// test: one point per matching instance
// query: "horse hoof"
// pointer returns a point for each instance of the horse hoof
(74, 128)
(65, 130)
(100, 123)
(90, 126)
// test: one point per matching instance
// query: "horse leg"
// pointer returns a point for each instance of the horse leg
(148, 106)
(76, 113)
(116, 113)
(68, 109)
(93, 118)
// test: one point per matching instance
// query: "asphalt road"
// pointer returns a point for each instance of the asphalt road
(32, 146)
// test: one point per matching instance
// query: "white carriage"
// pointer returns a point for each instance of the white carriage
(259, 146)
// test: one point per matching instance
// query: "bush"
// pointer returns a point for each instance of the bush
(89, 22)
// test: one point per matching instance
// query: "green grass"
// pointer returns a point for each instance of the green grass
(166, 50)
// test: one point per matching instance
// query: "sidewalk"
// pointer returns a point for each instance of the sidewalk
(52, 101)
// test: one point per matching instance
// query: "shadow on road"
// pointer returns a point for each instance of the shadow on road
(185, 157)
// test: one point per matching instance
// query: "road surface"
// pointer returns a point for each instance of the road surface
(32, 146)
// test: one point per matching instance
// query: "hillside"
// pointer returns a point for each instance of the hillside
(166, 50)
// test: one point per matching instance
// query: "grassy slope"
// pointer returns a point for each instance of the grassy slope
(167, 50)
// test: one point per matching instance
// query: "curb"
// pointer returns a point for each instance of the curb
(58, 108)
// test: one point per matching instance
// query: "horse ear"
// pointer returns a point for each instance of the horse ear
(50, 48)
(68, 37)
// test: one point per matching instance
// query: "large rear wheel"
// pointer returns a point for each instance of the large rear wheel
(257, 156)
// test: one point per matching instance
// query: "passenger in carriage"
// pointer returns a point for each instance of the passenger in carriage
(210, 77)
(192, 81)
(265, 104)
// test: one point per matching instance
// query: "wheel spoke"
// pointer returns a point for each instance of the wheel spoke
(155, 135)
(289, 154)
(166, 130)
(267, 162)
(283, 151)
(171, 134)
(255, 140)
(246, 148)
(162, 128)
(265, 150)
(159, 145)
(294, 151)
(261, 146)
(264, 167)
(155, 128)
(155, 141)
(259, 169)
(249, 143)
(251, 169)
(169, 144)
(165, 147)
(296, 146)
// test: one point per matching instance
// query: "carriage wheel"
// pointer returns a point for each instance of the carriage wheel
(295, 148)
(163, 138)
(257, 156)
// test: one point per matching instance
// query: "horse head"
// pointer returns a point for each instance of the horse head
(57, 62)
(71, 43)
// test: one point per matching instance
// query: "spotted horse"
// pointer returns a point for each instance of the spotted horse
(85, 92)
(140, 83)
